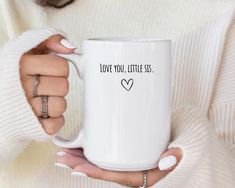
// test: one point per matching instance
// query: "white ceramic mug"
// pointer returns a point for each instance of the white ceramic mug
(127, 88)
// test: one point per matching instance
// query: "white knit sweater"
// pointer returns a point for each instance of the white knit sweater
(203, 95)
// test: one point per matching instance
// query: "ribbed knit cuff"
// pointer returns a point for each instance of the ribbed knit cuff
(189, 132)
(17, 119)
(222, 117)
(202, 150)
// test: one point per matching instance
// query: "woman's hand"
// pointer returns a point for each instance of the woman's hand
(75, 159)
(53, 72)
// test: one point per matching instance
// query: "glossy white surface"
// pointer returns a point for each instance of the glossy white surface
(126, 115)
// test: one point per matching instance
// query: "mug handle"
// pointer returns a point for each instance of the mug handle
(75, 59)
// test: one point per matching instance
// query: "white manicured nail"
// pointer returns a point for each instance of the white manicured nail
(61, 153)
(78, 174)
(67, 44)
(61, 165)
(167, 162)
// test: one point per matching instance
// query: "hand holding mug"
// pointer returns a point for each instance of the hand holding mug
(126, 127)
(44, 74)
(75, 160)
(127, 102)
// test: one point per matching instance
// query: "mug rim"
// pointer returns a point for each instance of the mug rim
(127, 39)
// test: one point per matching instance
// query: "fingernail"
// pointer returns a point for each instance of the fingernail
(61, 153)
(61, 165)
(167, 162)
(67, 44)
(78, 174)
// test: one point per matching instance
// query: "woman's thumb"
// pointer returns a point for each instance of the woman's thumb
(170, 159)
(58, 44)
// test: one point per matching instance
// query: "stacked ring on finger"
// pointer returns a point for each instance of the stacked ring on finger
(44, 98)
(35, 85)
(44, 102)
(145, 172)
(144, 185)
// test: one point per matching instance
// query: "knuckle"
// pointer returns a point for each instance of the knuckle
(64, 68)
(32, 101)
(23, 63)
(62, 122)
(23, 57)
(24, 80)
(60, 106)
(65, 85)
(61, 64)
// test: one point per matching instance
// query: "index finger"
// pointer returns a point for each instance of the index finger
(46, 65)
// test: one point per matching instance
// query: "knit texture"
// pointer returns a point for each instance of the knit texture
(18, 122)
(203, 86)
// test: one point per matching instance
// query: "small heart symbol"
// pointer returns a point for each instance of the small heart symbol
(127, 84)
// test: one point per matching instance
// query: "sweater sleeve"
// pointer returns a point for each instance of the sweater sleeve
(207, 140)
(18, 123)
(222, 110)
(207, 161)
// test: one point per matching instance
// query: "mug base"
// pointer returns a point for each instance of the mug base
(124, 167)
